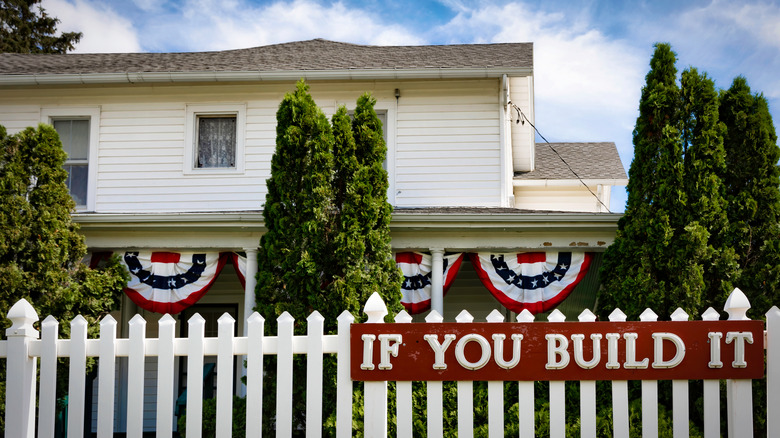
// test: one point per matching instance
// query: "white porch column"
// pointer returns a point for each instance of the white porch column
(250, 281)
(437, 280)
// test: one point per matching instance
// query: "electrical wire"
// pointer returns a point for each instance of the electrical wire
(522, 117)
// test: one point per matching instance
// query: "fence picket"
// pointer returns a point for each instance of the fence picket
(165, 368)
(343, 381)
(525, 391)
(254, 376)
(314, 332)
(77, 376)
(106, 376)
(712, 392)
(284, 375)
(619, 391)
(196, 329)
(680, 415)
(375, 401)
(465, 394)
(225, 329)
(740, 392)
(435, 402)
(135, 377)
(48, 397)
(21, 370)
(495, 393)
(773, 370)
(557, 393)
(649, 393)
(403, 394)
(587, 393)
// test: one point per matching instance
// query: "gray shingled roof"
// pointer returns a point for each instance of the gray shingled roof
(589, 160)
(315, 54)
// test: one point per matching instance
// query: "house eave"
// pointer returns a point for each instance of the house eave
(567, 182)
(257, 76)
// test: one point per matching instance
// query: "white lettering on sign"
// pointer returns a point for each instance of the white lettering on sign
(715, 338)
(612, 351)
(439, 349)
(461, 347)
(368, 352)
(579, 359)
(631, 362)
(557, 356)
(658, 348)
(386, 350)
(739, 339)
(498, 350)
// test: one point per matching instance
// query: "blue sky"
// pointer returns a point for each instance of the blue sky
(590, 56)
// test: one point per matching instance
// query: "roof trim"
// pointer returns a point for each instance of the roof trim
(567, 182)
(261, 76)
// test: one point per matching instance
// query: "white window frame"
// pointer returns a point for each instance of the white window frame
(191, 137)
(48, 115)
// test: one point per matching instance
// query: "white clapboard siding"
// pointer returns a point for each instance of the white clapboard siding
(17, 117)
(569, 198)
(522, 134)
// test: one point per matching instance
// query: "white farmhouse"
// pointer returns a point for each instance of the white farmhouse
(169, 153)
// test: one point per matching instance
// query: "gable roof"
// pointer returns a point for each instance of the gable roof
(318, 57)
(591, 161)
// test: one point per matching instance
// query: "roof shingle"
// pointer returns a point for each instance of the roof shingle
(588, 160)
(317, 54)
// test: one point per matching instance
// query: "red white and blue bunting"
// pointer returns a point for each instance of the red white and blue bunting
(416, 269)
(169, 282)
(536, 281)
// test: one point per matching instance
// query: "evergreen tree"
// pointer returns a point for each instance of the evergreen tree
(24, 30)
(40, 247)
(654, 261)
(752, 181)
(705, 165)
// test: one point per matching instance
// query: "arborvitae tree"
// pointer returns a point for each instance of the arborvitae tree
(653, 261)
(752, 181)
(705, 166)
(40, 247)
(25, 30)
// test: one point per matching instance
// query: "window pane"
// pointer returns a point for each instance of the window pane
(216, 142)
(74, 135)
(77, 182)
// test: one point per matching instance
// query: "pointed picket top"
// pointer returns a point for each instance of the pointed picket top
(285, 317)
(737, 305)
(464, 316)
(346, 317)
(167, 319)
(525, 316)
(587, 316)
(254, 318)
(403, 317)
(226, 319)
(315, 317)
(107, 323)
(433, 316)
(710, 315)
(617, 315)
(648, 315)
(196, 319)
(22, 316)
(556, 316)
(78, 321)
(774, 311)
(495, 316)
(375, 309)
(679, 315)
(137, 319)
(50, 321)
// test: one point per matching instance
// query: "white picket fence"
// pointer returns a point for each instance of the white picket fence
(24, 351)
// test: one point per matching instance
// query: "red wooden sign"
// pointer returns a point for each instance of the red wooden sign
(667, 350)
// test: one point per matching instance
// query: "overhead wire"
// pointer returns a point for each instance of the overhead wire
(522, 117)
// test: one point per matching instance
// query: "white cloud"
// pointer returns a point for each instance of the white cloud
(104, 31)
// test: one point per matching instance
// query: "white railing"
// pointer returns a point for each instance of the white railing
(25, 351)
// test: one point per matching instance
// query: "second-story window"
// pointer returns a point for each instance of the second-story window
(74, 135)
(216, 142)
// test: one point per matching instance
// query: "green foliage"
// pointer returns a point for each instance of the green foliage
(40, 247)
(327, 247)
(209, 428)
(25, 30)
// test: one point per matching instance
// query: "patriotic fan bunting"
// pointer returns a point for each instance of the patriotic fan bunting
(536, 281)
(239, 262)
(416, 269)
(168, 282)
